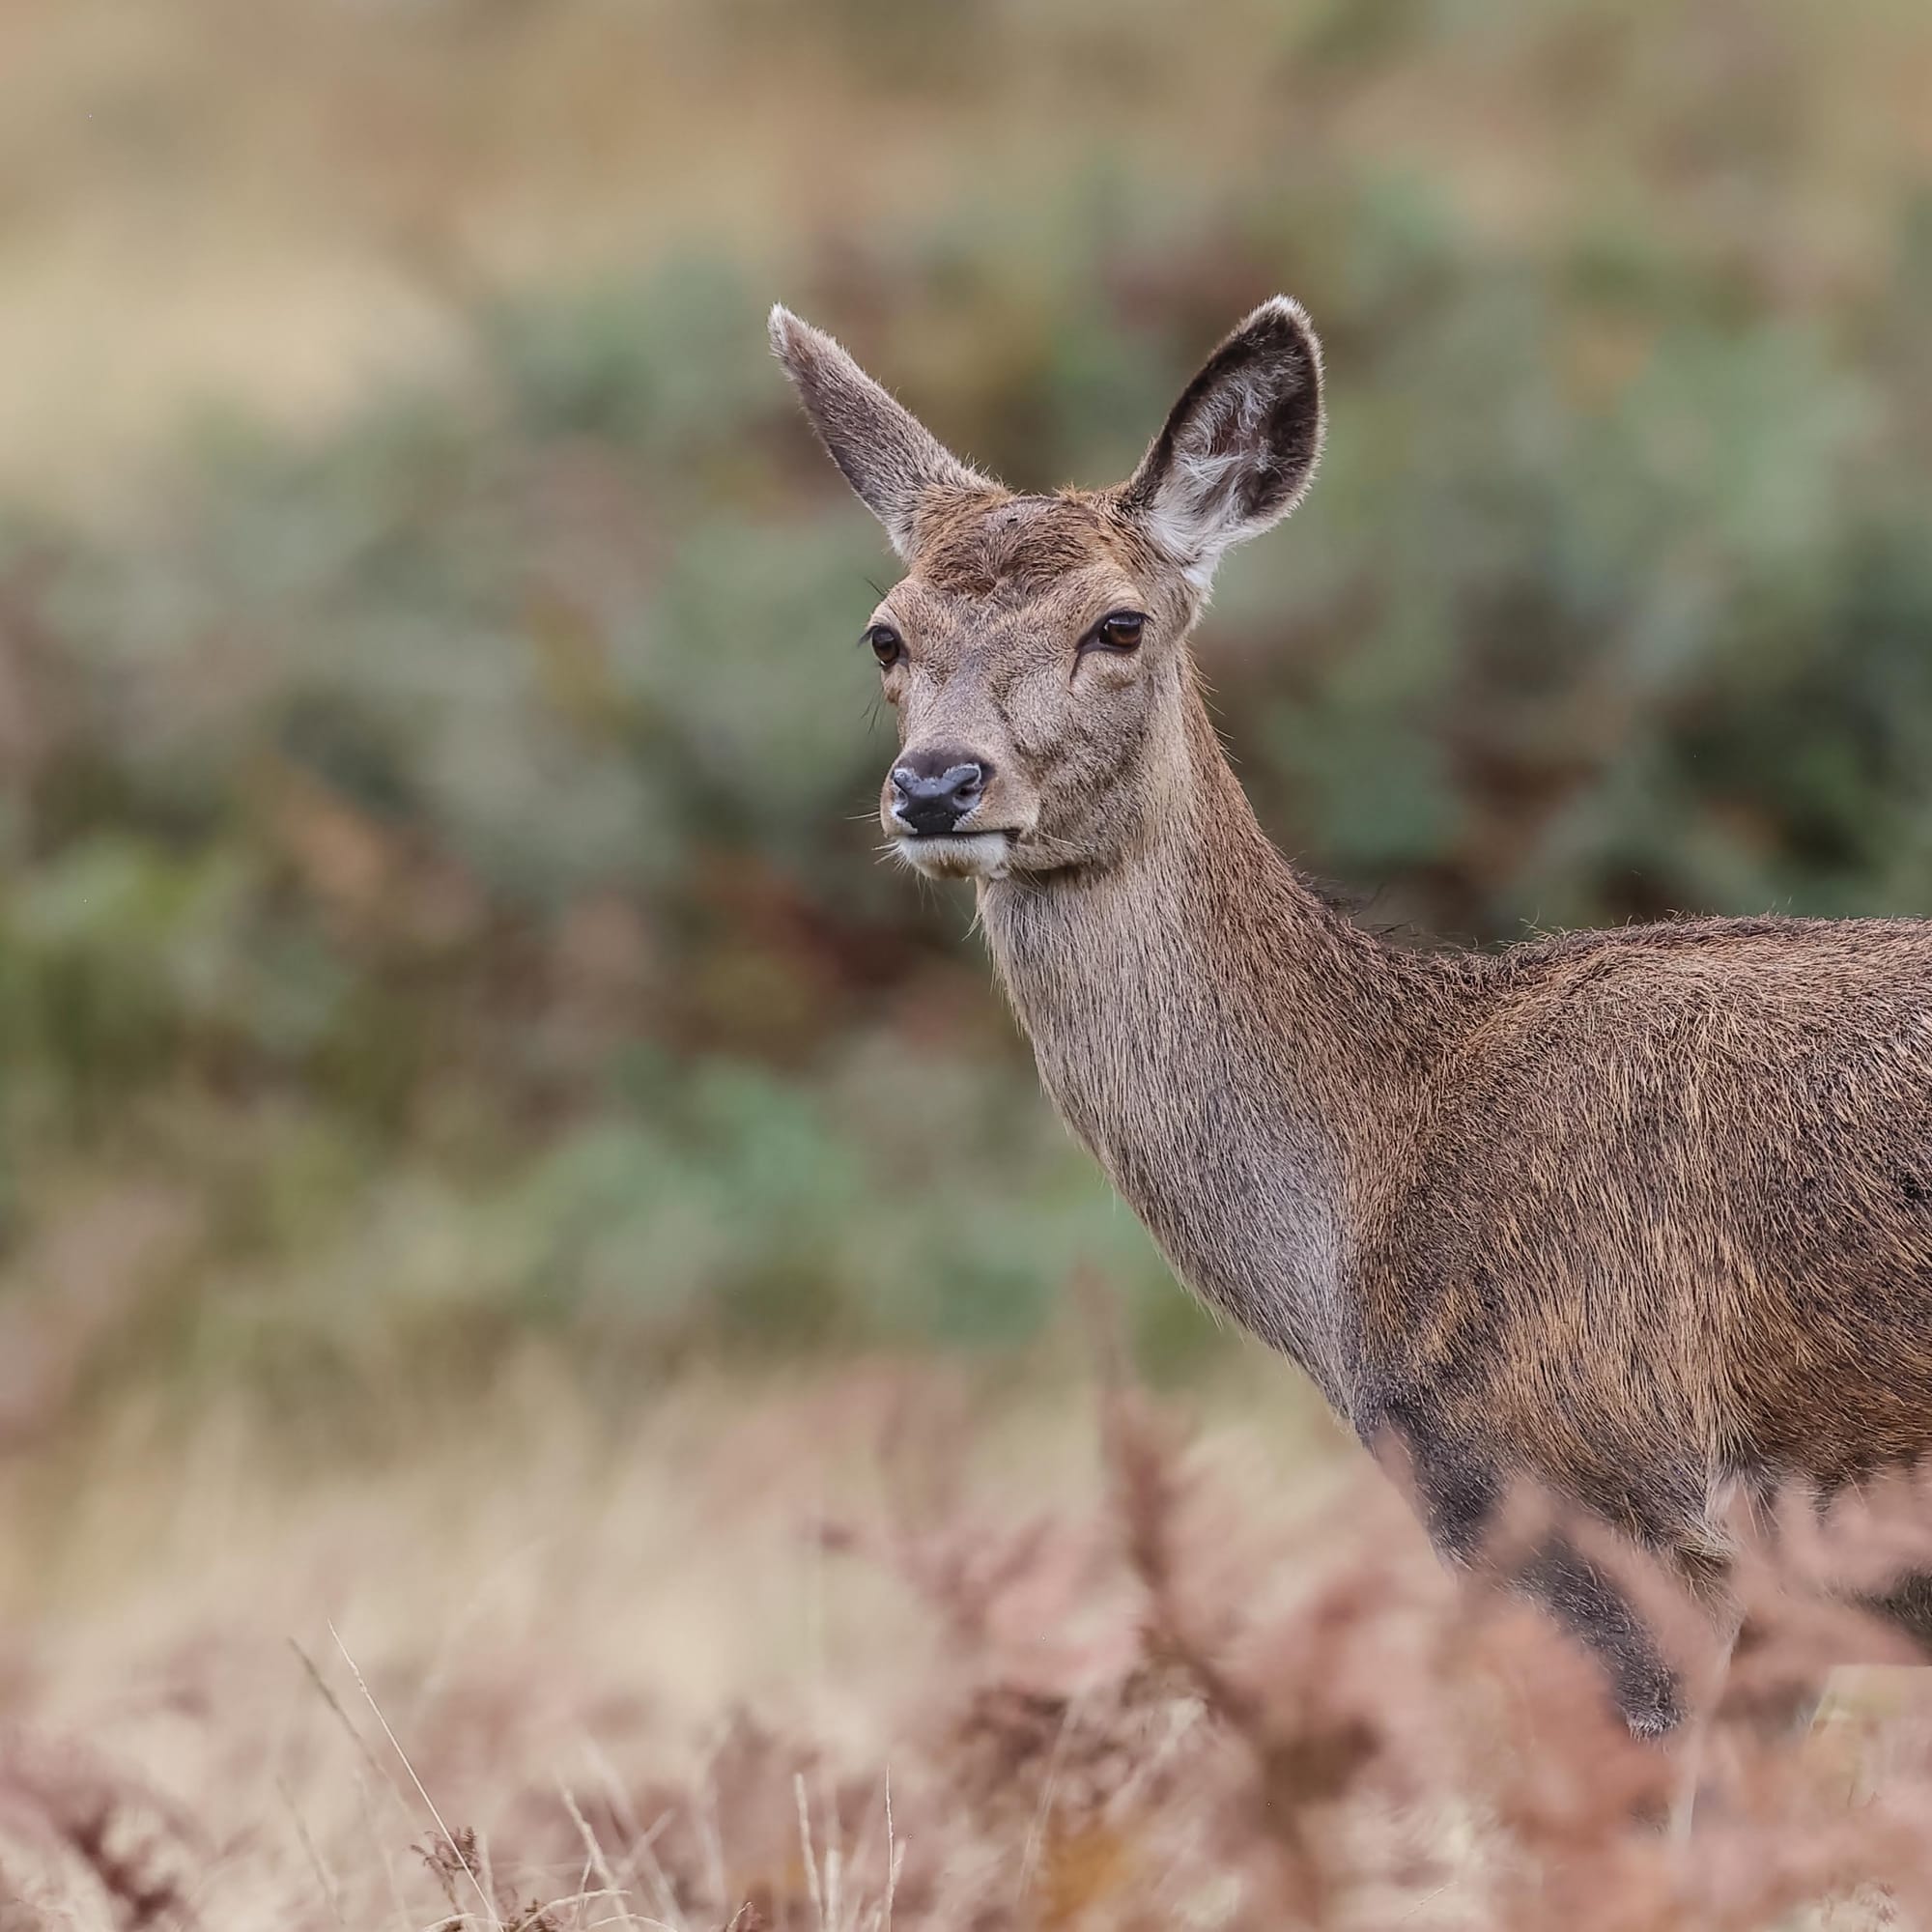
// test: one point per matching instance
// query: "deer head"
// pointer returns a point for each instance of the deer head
(1035, 651)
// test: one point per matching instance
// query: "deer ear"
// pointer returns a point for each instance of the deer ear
(1240, 445)
(887, 454)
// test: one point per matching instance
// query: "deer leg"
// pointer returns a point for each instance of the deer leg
(1460, 1496)
(1585, 1600)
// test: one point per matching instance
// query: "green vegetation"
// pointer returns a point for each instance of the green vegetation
(380, 873)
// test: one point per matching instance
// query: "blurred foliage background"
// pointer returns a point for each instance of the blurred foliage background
(407, 541)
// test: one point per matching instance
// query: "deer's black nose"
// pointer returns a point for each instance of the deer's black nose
(933, 790)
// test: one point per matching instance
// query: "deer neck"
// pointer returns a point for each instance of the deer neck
(1228, 1046)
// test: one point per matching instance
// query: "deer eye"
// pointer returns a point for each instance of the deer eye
(888, 646)
(1117, 630)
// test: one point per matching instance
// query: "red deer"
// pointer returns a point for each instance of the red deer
(1637, 1216)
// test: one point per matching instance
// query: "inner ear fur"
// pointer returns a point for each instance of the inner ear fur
(1239, 449)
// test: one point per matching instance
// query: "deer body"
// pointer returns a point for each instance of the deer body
(1634, 1215)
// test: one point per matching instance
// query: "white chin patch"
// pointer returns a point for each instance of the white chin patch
(969, 855)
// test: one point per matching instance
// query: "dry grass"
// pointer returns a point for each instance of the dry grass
(796, 1660)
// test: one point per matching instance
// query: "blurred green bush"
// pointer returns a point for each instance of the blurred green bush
(377, 872)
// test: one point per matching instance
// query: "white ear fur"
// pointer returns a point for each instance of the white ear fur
(889, 458)
(1240, 448)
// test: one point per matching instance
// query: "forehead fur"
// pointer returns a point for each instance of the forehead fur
(1020, 547)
